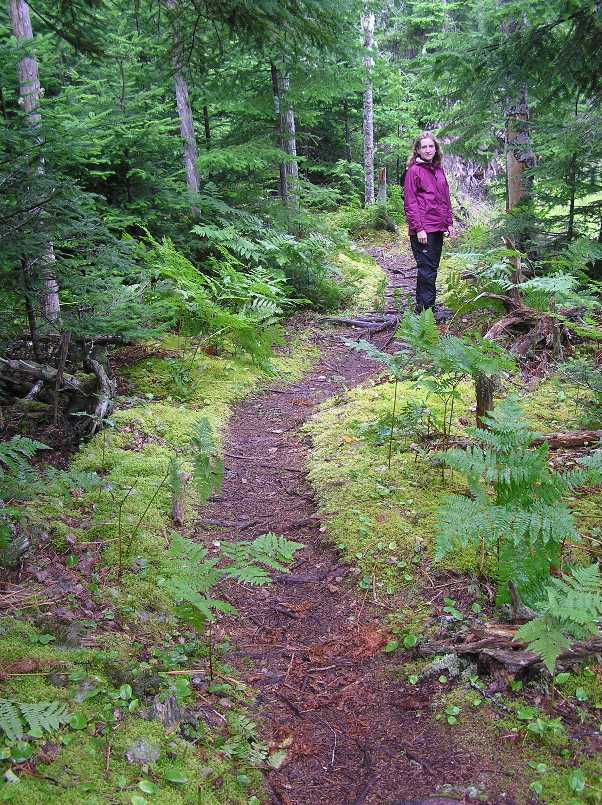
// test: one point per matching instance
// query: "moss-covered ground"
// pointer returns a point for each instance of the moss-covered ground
(117, 664)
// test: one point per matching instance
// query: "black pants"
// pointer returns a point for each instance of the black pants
(427, 256)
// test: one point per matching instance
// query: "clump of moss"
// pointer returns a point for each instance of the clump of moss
(383, 519)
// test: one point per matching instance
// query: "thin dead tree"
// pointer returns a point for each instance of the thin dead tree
(190, 152)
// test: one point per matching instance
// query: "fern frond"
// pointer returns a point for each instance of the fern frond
(10, 720)
(44, 716)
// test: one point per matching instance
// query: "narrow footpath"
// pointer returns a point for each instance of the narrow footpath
(354, 731)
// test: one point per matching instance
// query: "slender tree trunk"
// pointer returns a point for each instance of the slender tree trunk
(348, 155)
(289, 137)
(282, 180)
(206, 127)
(368, 122)
(570, 229)
(29, 89)
(381, 196)
(572, 182)
(190, 153)
(519, 158)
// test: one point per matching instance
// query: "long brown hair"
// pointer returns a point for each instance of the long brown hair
(426, 135)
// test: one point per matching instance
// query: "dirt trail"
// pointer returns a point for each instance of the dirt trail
(354, 732)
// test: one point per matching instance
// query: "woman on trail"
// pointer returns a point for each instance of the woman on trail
(429, 215)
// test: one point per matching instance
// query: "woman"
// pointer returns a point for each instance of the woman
(429, 215)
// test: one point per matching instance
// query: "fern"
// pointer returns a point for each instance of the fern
(208, 467)
(516, 505)
(573, 609)
(44, 716)
(10, 720)
(190, 574)
(38, 717)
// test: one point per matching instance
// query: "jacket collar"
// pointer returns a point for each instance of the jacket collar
(429, 165)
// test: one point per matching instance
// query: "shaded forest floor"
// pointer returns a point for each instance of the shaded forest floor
(327, 659)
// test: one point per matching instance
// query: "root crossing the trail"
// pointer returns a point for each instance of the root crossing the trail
(326, 693)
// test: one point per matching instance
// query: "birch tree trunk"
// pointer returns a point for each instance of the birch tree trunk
(29, 90)
(190, 152)
(368, 122)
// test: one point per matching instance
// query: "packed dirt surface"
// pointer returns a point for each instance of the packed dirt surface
(327, 694)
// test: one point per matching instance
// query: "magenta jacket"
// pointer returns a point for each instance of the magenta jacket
(426, 198)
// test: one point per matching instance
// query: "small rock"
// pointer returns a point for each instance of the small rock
(449, 663)
(142, 752)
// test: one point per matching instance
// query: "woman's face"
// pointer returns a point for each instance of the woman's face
(427, 149)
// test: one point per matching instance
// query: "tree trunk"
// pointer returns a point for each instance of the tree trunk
(190, 154)
(484, 388)
(282, 181)
(570, 229)
(206, 127)
(289, 138)
(347, 134)
(368, 122)
(381, 196)
(29, 89)
(519, 158)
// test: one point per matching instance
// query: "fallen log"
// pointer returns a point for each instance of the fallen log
(41, 371)
(496, 643)
(556, 441)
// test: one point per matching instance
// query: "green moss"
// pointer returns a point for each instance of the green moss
(382, 519)
(553, 405)
(94, 769)
(213, 383)
(363, 273)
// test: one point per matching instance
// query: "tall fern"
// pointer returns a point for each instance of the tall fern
(515, 505)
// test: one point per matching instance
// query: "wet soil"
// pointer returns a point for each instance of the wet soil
(311, 643)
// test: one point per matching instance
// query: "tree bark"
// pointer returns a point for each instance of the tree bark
(368, 117)
(519, 158)
(484, 388)
(289, 137)
(30, 90)
(282, 181)
(190, 152)
(381, 196)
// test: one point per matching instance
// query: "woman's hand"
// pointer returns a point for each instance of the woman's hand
(422, 238)
(451, 232)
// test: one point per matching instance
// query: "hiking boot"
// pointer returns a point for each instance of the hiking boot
(442, 314)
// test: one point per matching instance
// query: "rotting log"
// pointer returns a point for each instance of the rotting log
(496, 643)
(40, 371)
(555, 441)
